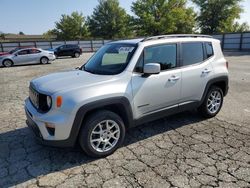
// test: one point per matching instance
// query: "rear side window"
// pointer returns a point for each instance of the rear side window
(192, 53)
(34, 51)
(209, 49)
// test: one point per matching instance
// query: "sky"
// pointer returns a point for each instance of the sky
(38, 16)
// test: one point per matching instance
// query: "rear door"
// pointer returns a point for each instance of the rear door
(35, 55)
(196, 70)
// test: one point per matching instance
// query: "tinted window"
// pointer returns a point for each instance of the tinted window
(192, 53)
(62, 47)
(165, 55)
(23, 52)
(209, 49)
(71, 46)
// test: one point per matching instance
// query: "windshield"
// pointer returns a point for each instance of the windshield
(14, 50)
(110, 59)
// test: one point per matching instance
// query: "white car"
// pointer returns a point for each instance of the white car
(127, 83)
(27, 56)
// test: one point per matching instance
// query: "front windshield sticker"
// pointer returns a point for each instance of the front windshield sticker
(125, 50)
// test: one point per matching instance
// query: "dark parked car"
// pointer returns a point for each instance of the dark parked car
(67, 50)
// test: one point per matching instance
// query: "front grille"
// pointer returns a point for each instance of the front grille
(34, 97)
(38, 100)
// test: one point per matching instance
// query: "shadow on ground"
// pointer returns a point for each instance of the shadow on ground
(22, 159)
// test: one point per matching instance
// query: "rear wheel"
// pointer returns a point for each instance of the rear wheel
(44, 60)
(7, 63)
(212, 102)
(102, 133)
(76, 54)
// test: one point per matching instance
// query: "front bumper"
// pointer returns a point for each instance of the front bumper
(52, 58)
(36, 122)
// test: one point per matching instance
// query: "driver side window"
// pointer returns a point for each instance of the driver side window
(23, 52)
(164, 54)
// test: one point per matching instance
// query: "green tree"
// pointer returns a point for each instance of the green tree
(237, 27)
(50, 34)
(2, 35)
(109, 20)
(71, 26)
(154, 17)
(217, 15)
(21, 33)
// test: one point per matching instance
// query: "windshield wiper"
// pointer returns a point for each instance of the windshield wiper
(90, 71)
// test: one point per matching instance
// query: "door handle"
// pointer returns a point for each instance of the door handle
(206, 71)
(173, 78)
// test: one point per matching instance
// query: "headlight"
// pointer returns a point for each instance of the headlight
(49, 101)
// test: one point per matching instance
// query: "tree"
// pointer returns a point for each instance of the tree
(71, 26)
(109, 20)
(217, 15)
(2, 35)
(237, 27)
(21, 33)
(154, 17)
(50, 34)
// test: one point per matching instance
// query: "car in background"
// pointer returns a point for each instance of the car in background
(14, 50)
(27, 56)
(72, 50)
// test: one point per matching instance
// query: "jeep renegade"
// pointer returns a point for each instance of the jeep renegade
(124, 84)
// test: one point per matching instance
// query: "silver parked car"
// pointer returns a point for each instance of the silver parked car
(27, 56)
(125, 84)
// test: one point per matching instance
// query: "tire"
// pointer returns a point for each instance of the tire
(93, 139)
(44, 60)
(76, 54)
(212, 102)
(7, 63)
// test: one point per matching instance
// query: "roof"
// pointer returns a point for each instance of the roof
(129, 41)
(162, 37)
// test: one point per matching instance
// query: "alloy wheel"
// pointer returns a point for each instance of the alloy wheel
(214, 102)
(105, 136)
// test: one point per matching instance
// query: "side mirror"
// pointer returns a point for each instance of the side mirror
(151, 68)
(77, 68)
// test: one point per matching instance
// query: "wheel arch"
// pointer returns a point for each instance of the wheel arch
(7, 59)
(221, 82)
(119, 105)
(43, 57)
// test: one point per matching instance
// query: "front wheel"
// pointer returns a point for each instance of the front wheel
(76, 54)
(7, 63)
(44, 60)
(102, 133)
(212, 102)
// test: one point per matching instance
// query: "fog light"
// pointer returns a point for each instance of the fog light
(50, 128)
(50, 125)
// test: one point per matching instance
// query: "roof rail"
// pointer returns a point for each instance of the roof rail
(175, 36)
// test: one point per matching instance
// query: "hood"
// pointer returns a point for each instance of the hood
(68, 80)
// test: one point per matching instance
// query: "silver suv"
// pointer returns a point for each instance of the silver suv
(124, 84)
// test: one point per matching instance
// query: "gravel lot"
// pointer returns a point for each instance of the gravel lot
(183, 150)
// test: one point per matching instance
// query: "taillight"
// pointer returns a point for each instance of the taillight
(227, 65)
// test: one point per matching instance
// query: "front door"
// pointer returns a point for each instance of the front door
(22, 57)
(161, 91)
